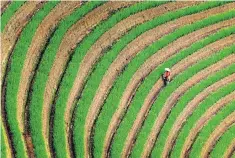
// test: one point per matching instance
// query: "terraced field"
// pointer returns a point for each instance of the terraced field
(83, 79)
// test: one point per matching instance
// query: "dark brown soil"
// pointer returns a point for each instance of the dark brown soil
(4, 5)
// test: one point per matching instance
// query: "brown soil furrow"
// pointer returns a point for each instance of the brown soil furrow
(128, 53)
(192, 59)
(202, 121)
(216, 134)
(13, 29)
(230, 150)
(175, 96)
(191, 106)
(106, 40)
(35, 50)
(4, 5)
(71, 39)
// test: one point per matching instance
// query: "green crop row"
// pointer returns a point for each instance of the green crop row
(100, 69)
(185, 99)
(83, 107)
(112, 21)
(13, 79)
(121, 84)
(210, 127)
(225, 140)
(9, 12)
(79, 54)
(201, 108)
(166, 92)
(143, 90)
(41, 77)
(3, 143)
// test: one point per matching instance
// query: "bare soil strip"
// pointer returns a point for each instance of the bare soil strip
(202, 121)
(176, 94)
(13, 29)
(127, 54)
(216, 134)
(4, 5)
(34, 52)
(191, 106)
(230, 150)
(192, 59)
(105, 41)
(73, 36)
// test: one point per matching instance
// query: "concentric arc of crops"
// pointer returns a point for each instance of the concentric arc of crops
(83, 79)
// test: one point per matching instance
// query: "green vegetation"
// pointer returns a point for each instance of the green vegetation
(101, 67)
(224, 142)
(3, 143)
(58, 126)
(210, 127)
(166, 92)
(80, 52)
(233, 155)
(13, 79)
(41, 78)
(191, 121)
(9, 12)
(149, 81)
(187, 97)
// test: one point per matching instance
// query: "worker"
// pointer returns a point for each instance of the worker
(166, 76)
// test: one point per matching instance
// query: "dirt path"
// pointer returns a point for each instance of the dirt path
(230, 150)
(34, 52)
(202, 121)
(127, 54)
(105, 41)
(191, 106)
(13, 30)
(4, 5)
(192, 59)
(216, 134)
(73, 36)
(176, 94)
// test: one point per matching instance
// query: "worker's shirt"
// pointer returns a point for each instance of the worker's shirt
(167, 74)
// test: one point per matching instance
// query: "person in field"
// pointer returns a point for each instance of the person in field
(166, 76)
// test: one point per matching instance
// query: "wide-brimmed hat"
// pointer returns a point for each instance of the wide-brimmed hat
(167, 69)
